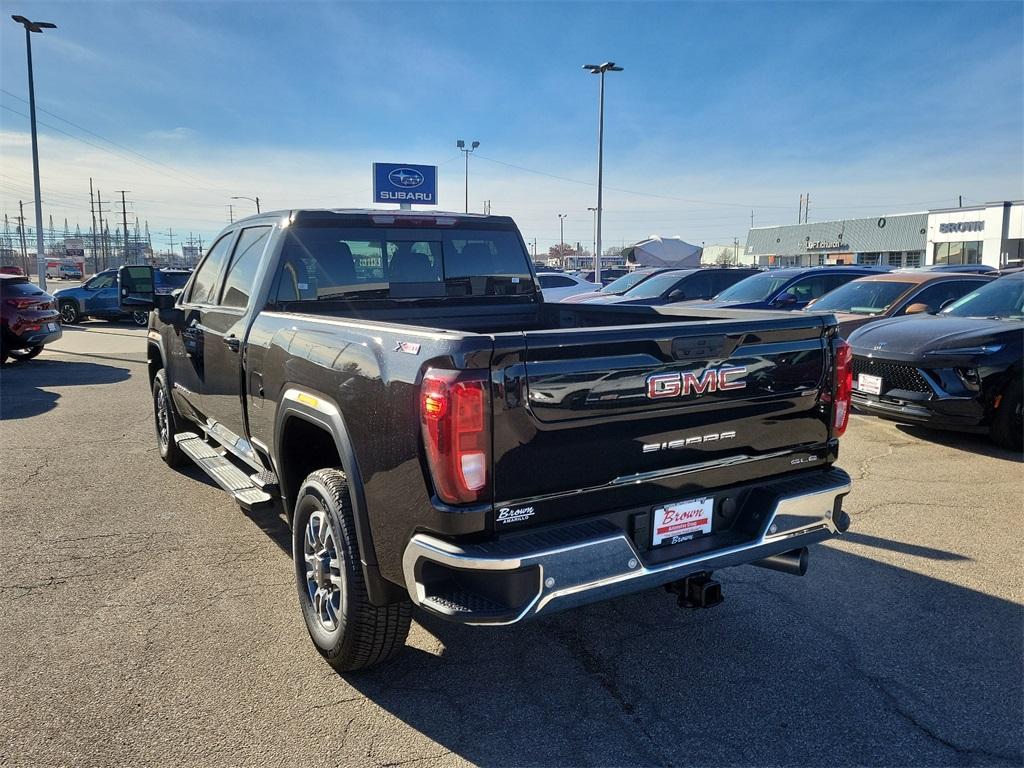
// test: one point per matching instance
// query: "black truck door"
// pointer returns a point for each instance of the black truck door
(224, 322)
(186, 352)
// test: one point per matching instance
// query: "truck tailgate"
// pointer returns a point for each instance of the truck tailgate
(601, 418)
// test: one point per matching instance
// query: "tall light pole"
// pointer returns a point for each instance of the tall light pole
(30, 27)
(561, 237)
(594, 210)
(467, 152)
(250, 199)
(600, 69)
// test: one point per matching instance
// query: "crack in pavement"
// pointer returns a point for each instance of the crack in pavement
(604, 673)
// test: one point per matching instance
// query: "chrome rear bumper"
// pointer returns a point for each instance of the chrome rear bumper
(579, 563)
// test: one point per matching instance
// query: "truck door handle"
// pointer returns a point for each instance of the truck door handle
(233, 342)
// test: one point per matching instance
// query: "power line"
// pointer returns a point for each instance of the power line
(110, 141)
(191, 183)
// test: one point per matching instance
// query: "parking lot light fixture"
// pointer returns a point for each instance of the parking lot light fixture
(467, 152)
(600, 69)
(38, 27)
(250, 199)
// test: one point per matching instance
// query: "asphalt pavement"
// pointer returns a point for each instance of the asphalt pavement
(146, 620)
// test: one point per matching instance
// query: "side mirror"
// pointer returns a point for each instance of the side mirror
(135, 288)
(785, 300)
(917, 309)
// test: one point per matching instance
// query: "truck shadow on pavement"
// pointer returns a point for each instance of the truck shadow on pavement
(857, 663)
(22, 384)
(966, 441)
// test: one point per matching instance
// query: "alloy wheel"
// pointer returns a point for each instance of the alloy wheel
(163, 428)
(324, 581)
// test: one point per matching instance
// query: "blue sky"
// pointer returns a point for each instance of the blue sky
(722, 108)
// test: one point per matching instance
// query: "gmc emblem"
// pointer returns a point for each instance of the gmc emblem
(662, 385)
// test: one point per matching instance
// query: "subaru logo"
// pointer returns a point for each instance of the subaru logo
(405, 177)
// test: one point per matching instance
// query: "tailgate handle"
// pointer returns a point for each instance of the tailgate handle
(702, 347)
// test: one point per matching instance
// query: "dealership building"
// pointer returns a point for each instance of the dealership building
(897, 240)
(991, 234)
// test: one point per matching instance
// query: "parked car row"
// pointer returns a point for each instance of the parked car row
(30, 318)
(97, 296)
(940, 345)
(958, 368)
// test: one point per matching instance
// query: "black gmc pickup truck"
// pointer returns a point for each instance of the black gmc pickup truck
(437, 435)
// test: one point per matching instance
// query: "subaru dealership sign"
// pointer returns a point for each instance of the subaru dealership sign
(405, 183)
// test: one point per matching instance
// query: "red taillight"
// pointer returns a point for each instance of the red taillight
(22, 303)
(842, 387)
(456, 433)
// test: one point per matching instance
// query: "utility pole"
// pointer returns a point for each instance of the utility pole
(807, 207)
(170, 238)
(104, 231)
(21, 233)
(594, 211)
(800, 215)
(561, 237)
(960, 201)
(231, 214)
(92, 211)
(124, 222)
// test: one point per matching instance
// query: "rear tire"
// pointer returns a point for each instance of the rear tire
(166, 421)
(25, 353)
(347, 629)
(69, 312)
(1007, 426)
(140, 319)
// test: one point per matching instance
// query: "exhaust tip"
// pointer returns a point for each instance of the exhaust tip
(843, 522)
(793, 562)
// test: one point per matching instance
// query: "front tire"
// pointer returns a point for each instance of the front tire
(1008, 425)
(166, 422)
(347, 629)
(69, 312)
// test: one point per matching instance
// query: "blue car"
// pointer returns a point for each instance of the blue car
(788, 288)
(97, 296)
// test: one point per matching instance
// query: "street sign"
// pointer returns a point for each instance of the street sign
(405, 183)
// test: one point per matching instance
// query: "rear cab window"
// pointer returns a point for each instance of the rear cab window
(19, 288)
(335, 261)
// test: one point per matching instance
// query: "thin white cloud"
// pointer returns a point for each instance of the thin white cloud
(173, 134)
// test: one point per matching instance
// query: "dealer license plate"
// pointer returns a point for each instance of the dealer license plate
(682, 521)
(870, 384)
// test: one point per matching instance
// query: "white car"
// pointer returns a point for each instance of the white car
(558, 285)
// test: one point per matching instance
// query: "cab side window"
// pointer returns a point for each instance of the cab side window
(101, 281)
(938, 294)
(242, 273)
(204, 285)
(555, 281)
(696, 286)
